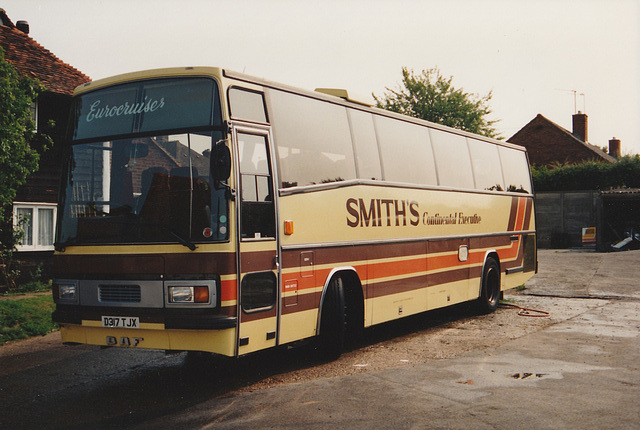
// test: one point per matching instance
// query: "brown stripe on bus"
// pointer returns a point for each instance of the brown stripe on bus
(257, 261)
(97, 266)
(513, 214)
(304, 302)
(527, 215)
(354, 253)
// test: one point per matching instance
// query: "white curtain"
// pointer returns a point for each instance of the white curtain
(45, 227)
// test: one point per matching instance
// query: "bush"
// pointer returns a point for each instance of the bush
(591, 175)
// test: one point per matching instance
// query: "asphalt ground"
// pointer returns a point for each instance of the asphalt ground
(581, 372)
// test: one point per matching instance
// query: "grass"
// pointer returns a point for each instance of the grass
(21, 318)
(35, 286)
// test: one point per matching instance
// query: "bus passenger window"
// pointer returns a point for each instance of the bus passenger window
(313, 140)
(405, 149)
(452, 159)
(366, 146)
(486, 165)
(515, 169)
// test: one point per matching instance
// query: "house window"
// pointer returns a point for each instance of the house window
(37, 222)
(34, 115)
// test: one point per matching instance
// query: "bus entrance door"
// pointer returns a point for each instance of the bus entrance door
(258, 251)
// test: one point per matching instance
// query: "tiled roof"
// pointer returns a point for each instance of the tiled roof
(597, 151)
(548, 143)
(33, 60)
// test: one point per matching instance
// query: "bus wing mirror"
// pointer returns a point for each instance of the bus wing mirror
(220, 165)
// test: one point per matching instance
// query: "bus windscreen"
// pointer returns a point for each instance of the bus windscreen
(138, 166)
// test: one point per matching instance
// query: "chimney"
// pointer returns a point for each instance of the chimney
(580, 126)
(23, 26)
(614, 147)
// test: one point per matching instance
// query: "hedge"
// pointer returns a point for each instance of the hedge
(625, 173)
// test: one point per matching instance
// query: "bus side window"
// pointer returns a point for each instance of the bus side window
(365, 144)
(452, 160)
(515, 168)
(486, 165)
(247, 105)
(312, 138)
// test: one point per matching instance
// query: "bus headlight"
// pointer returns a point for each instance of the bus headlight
(65, 291)
(188, 294)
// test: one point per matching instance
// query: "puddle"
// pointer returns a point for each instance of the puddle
(527, 375)
(472, 378)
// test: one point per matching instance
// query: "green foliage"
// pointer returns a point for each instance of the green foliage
(18, 158)
(625, 173)
(9, 266)
(22, 318)
(430, 96)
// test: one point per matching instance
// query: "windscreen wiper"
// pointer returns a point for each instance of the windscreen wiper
(180, 239)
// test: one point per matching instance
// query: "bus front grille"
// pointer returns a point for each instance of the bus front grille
(120, 293)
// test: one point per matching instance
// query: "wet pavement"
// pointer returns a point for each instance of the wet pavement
(579, 371)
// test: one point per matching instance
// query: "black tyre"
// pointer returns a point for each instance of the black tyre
(490, 294)
(332, 321)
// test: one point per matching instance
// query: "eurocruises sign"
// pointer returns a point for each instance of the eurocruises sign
(145, 107)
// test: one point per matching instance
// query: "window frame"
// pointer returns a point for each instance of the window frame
(35, 233)
(34, 114)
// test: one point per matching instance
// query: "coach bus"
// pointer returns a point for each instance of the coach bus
(206, 210)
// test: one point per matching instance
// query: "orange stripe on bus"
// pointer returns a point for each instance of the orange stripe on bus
(228, 290)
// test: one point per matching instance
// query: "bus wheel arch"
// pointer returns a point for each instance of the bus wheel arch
(490, 284)
(341, 312)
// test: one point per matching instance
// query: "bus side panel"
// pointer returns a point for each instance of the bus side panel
(404, 258)
(397, 280)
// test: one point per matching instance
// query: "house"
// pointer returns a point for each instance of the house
(561, 216)
(549, 144)
(36, 200)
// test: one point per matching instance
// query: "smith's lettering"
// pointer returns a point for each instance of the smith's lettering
(382, 212)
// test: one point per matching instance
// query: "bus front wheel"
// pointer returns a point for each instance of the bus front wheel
(490, 293)
(332, 320)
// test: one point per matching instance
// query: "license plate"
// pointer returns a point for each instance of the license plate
(120, 322)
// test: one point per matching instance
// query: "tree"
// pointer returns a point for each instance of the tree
(432, 97)
(18, 158)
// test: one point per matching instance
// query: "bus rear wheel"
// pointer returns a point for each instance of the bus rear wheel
(332, 320)
(490, 293)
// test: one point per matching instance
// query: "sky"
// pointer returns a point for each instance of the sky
(549, 57)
